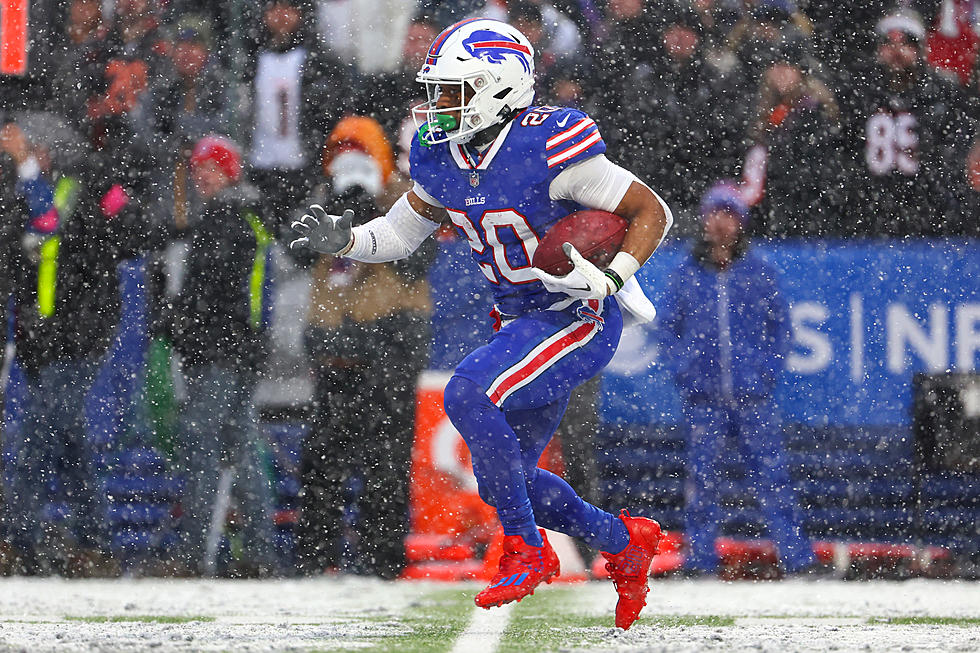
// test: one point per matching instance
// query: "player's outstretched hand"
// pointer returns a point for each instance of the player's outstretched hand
(322, 232)
(585, 281)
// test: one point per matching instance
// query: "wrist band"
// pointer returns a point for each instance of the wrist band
(615, 278)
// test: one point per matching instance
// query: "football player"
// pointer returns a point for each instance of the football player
(503, 171)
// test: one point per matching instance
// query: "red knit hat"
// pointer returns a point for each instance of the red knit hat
(220, 150)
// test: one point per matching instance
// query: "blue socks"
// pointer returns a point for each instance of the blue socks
(558, 508)
(519, 520)
(504, 462)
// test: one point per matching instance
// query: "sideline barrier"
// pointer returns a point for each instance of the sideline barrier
(454, 534)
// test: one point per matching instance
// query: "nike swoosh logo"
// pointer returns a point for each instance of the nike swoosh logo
(582, 288)
(561, 123)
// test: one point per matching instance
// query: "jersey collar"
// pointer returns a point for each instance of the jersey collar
(483, 162)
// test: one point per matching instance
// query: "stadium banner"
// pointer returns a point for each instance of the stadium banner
(13, 37)
(865, 317)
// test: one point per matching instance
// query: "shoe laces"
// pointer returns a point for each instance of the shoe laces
(633, 588)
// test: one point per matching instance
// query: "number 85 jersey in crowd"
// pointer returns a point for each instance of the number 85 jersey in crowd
(499, 198)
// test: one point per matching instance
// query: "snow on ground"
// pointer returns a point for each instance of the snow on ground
(799, 598)
(246, 615)
(780, 617)
(270, 601)
(351, 613)
(791, 638)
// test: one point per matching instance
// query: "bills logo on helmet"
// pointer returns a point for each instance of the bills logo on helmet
(493, 47)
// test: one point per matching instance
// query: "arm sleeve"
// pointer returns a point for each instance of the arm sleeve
(599, 183)
(392, 236)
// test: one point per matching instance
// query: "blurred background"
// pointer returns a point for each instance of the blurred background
(184, 396)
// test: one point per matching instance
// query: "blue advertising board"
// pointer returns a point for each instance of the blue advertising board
(866, 316)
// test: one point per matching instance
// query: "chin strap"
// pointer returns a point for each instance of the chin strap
(486, 136)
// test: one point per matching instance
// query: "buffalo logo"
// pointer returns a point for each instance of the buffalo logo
(589, 314)
(494, 47)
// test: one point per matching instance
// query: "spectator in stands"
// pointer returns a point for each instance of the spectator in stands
(719, 18)
(629, 24)
(67, 307)
(768, 25)
(194, 101)
(556, 40)
(796, 120)
(954, 41)
(132, 57)
(392, 108)
(905, 130)
(400, 122)
(298, 91)
(724, 329)
(13, 218)
(190, 102)
(75, 56)
(352, 30)
(368, 336)
(683, 113)
(219, 328)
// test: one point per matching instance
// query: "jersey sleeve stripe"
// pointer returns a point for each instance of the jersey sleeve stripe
(574, 130)
(573, 151)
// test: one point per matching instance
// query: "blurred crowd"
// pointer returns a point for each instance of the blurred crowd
(191, 134)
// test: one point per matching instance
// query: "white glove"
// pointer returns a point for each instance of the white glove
(585, 281)
(322, 232)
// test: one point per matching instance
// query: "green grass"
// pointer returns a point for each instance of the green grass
(927, 621)
(433, 624)
(144, 618)
(549, 621)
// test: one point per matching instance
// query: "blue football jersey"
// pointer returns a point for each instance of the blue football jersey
(498, 199)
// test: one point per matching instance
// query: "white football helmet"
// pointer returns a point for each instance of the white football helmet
(492, 64)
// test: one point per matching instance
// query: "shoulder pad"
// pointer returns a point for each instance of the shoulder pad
(549, 120)
(567, 135)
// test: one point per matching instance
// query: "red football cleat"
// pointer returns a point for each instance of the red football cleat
(522, 568)
(630, 567)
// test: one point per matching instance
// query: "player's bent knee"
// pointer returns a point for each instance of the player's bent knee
(461, 398)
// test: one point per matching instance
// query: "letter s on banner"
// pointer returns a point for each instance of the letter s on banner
(804, 318)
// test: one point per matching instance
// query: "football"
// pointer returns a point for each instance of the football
(597, 235)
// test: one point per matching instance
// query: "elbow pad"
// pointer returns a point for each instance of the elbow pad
(394, 235)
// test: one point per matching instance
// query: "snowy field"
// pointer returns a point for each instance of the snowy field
(338, 614)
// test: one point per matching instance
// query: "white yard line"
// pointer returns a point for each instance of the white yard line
(485, 630)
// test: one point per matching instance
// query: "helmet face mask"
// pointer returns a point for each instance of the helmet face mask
(488, 65)
(440, 124)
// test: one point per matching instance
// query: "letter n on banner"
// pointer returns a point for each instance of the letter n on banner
(13, 37)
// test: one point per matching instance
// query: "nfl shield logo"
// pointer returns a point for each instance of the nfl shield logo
(474, 179)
